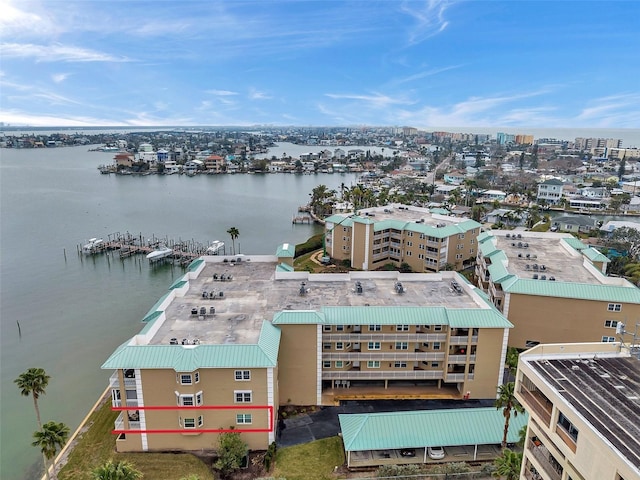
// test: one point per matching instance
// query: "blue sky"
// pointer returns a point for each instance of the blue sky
(428, 64)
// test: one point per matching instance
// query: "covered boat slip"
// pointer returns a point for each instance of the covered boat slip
(467, 434)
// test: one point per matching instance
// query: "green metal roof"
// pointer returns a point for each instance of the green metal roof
(283, 267)
(574, 243)
(286, 250)
(584, 291)
(594, 255)
(298, 317)
(178, 284)
(374, 315)
(419, 429)
(192, 357)
(499, 272)
(155, 307)
(339, 219)
(484, 236)
(440, 211)
(390, 223)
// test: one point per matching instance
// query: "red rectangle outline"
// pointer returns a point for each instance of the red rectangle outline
(269, 408)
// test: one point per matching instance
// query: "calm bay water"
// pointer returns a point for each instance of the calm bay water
(74, 311)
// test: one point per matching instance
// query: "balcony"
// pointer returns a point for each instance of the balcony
(118, 403)
(384, 356)
(566, 438)
(119, 423)
(536, 401)
(461, 358)
(355, 337)
(128, 382)
(455, 377)
(549, 464)
(382, 375)
(462, 340)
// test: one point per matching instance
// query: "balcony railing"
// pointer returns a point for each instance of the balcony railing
(461, 358)
(384, 356)
(549, 464)
(365, 337)
(119, 423)
(382, 375)
(455, 377)
(118, 403)
(538, 403)
(114, 383)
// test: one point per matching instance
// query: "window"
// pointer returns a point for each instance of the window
(614, 307)
(339, 328)
(243, 375)
(425, 344)
(374, 346)
(409, 244)
(339, 346)
(437, 328)
(185, 379)
(400, 365)
(326, 328)
(196, 376)
(610, 323)
(436, 345)
(187, 400)
(242, 396)
(408, 254)
(243, 418)
(339, 363)
(199, 398)
(326, 364)
(402, 346)
(435, 364)
(402, 328)
(568, 427)
(326, 346)
(200, 421)
(373, 364)
(608, 339)
(461, 236)
(188, 422)
(375, 328)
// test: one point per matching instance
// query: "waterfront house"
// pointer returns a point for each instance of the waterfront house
(550, 191)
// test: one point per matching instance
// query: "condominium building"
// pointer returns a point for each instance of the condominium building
(584, 412)
(236, 337)
(553, 288)
(426, 240)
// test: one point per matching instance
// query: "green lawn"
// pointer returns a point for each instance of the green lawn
(97, 445)
(310, 461)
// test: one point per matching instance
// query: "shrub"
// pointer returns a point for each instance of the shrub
(311, 245)
(398, 471)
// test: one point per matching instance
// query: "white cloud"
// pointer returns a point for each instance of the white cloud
(221, 93)
(59, 77)
(56, 53)
(375, 101)
(429, 18)
(425, 74)
(15, 22)
(257, 95)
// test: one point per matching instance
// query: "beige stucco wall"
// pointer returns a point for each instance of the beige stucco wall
(297, 362)
(487, 365)
(562, 320)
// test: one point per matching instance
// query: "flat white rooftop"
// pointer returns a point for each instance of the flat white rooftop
(407, 213)
(541, 253)
(228, 302)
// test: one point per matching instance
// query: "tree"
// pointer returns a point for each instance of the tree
(49, 438)
(507, 402)
(121, 470)
(512, 360)
(233, 233)
(508, 465)
(33, 382)
(626, 239)
(231, 451)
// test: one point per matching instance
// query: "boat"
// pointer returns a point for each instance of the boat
(215, 247)
(161, 252)
(94, 245)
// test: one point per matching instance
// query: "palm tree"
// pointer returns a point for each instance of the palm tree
(33, 382)
(49, 438)
(233, 233)
(508, 465)
(507, 402)
(121, 470)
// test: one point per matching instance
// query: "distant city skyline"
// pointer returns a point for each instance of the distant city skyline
(498, 65)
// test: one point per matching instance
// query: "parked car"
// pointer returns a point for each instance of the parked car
(436, 453)
(408, 452)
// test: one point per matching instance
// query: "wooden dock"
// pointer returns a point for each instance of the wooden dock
(126, 245)
(302, 219)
